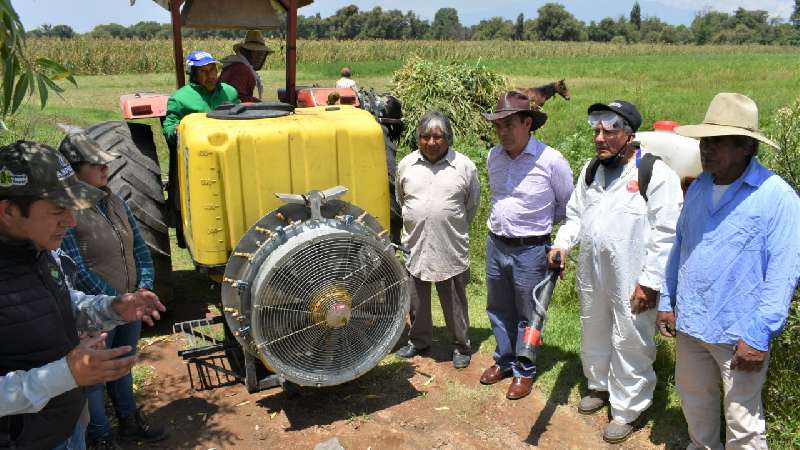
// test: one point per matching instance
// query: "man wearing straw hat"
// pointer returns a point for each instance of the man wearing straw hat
(730, 277)
(530, 184)
(240, 70)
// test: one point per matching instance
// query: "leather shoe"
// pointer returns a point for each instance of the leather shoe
(520, 387)
(409, 351)
(494, 374)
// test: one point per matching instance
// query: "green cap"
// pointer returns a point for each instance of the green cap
(77, 146)
(28, 169)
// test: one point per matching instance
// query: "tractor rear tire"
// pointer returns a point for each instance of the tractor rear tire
(136, 177)
(395, 212)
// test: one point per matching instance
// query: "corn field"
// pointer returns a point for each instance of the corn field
(89, 56)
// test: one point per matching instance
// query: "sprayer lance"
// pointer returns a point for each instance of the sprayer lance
(542, 294)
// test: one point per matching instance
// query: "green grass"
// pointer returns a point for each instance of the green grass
(670, 85)
(143, 375)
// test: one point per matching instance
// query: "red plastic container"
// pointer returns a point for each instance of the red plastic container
(665, 125)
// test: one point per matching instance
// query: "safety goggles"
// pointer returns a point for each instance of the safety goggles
(608, 120)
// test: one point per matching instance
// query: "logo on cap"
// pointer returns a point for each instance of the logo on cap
(615, 105)
(64, 169)
(8, 178)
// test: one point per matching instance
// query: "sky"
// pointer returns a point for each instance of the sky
(83, 15)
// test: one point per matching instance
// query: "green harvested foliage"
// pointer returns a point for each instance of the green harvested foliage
(460, 91)
(782, 392)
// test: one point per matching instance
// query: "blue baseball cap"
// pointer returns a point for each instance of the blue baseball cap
(200, 58)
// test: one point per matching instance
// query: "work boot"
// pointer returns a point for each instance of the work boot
(460, 360)
(593, 402)
(409, 351)
(106, 442)
(136, 427)
(617, 432)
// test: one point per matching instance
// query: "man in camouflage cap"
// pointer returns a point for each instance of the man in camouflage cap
(42, 376)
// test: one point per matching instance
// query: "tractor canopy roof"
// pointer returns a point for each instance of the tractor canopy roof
(231, 14)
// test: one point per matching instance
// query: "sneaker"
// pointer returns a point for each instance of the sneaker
(409, 351)
(136, 427)
(460, 360)
(106, 442)
(617, 432)
(593, 402)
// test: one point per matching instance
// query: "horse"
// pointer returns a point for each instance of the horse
(539, 95)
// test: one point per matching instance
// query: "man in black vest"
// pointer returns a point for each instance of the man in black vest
(43, 362)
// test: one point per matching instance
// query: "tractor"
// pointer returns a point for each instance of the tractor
(287, 205)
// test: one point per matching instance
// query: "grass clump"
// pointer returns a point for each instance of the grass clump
(143, 375)
(460, 91)
(782, 392)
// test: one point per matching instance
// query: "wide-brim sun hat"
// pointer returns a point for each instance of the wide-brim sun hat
(513, 102)
(729, 114)
(254, 42)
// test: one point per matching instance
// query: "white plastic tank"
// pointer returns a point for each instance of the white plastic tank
(680, 153)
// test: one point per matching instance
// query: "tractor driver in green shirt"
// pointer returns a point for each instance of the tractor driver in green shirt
(203, 93)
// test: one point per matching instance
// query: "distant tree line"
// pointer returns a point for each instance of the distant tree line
(552, 23)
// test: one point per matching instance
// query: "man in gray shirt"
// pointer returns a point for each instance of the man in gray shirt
(439, 192)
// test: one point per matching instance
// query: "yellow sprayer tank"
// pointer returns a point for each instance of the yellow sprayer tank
(230, 170)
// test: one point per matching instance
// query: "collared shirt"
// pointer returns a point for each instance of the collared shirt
(439, 201)
(529, 193)
(88, 281)
(28, 391)
(734, 267)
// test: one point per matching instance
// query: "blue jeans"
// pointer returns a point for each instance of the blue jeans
(120, 391)
(511, 274)
(75, 442)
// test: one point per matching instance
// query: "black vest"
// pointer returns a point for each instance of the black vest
(37, 326)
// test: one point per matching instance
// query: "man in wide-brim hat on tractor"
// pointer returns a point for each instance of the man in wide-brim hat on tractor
(240, 70)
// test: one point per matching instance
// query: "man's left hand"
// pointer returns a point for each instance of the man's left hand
(643, 298)
(747, 358)
(140, 305)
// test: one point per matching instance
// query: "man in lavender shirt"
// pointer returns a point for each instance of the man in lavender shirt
(530, 185)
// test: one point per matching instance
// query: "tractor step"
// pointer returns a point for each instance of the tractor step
(206, 353)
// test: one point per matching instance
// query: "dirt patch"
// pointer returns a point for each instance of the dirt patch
(421, 403)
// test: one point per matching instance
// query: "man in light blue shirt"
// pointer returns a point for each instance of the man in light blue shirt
(730, 277)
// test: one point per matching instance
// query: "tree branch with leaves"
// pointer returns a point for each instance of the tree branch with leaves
(22, 77)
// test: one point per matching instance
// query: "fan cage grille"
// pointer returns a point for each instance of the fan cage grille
(288, 326)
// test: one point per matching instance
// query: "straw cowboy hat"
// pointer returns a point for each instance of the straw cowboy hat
(514, 102)
(728, 115)
(254, 42)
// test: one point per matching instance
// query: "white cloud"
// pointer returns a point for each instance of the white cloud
(776, 8)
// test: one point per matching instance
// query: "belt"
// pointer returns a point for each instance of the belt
(520, 241)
